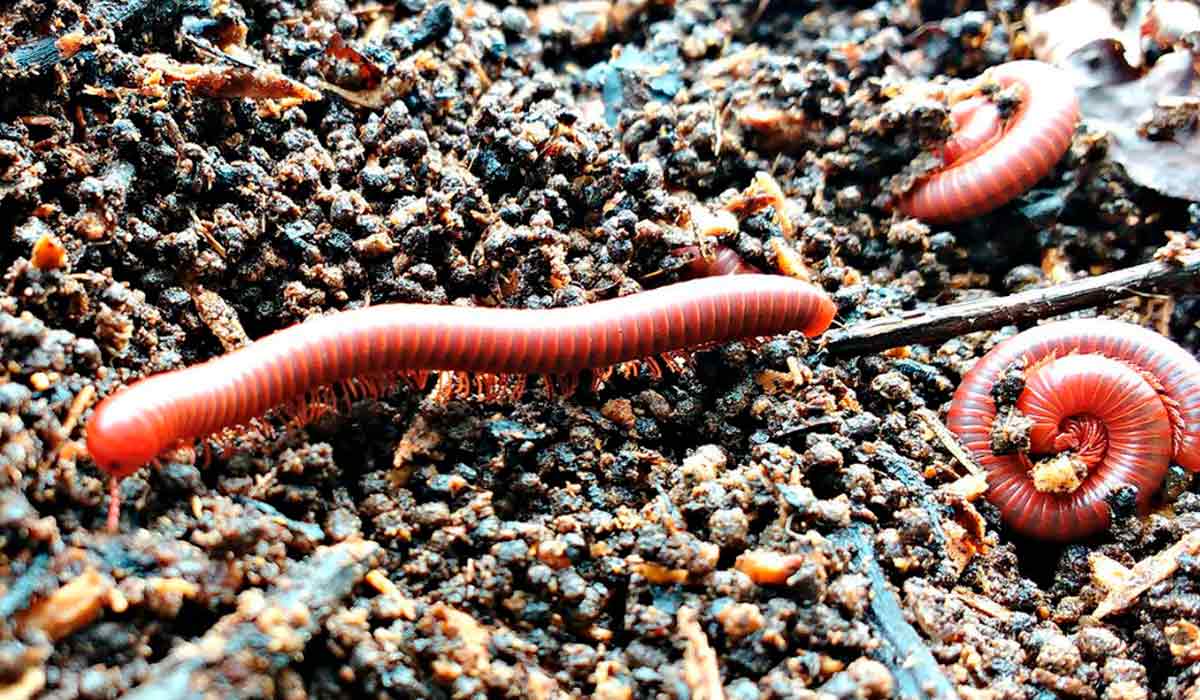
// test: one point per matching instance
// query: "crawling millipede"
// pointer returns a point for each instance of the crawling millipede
(1123, 400)
(988, 163)
(134, 425)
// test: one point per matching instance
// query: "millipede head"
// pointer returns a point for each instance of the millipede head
(122, 435)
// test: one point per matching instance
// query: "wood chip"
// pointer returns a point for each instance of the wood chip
(82, 401)
(1144, 574)
(985, 605)
(1108, 573)
(70, 608)
(700, 669)
(658, 574)
(789, 261)
(49, 253)
(769, 568)
(969, 487)
(961, 544)
(380, 582)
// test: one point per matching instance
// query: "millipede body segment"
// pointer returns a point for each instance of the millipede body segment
(1122, 401)
(990, 161)
(134, 425)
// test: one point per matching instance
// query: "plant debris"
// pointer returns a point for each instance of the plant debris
(1151, 115)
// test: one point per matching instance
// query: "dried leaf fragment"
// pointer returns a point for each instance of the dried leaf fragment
(764, 192)
(961, 545)
(420, 440)
(229, 81)
(70, 43)
(1152, 123)
(789, 261)
(220, 317)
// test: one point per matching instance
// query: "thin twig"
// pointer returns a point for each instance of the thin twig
(942, 323)
(948, 440)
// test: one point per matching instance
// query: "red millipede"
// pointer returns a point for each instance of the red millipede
(1124, 399)
(134, 425)
(987, 164)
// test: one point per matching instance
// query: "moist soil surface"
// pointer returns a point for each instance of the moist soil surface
(758, 519)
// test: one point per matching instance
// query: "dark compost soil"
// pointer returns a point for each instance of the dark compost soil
(194, 173)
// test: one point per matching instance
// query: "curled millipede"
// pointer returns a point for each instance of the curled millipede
(990, 161)
(134, 425)
(1120, 400)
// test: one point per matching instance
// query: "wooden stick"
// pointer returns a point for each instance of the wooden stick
(939, 324)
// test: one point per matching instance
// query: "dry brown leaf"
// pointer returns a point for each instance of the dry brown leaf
(1056, 34)
(228, 81)
(1151, 115)
(1171, 165)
